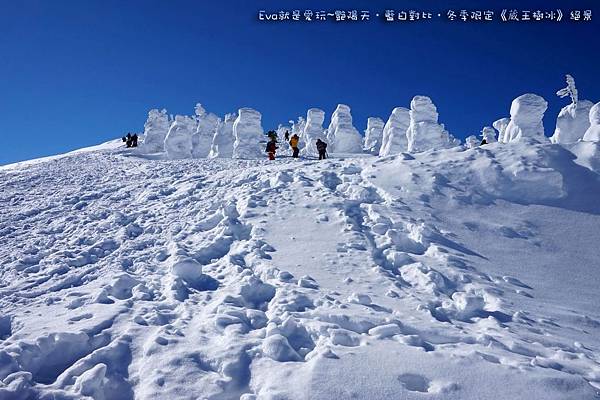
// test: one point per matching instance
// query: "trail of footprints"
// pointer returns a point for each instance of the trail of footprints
(191, 271)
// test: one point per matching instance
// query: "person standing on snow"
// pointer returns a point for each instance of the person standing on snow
(322, 149)
(294, 144)
(287, 136)
(272, 148)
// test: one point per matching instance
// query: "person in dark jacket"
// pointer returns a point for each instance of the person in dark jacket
(134, 140)
(287, 136)
(322, 149)
(483, 142)
(272, 148)
(127, 139)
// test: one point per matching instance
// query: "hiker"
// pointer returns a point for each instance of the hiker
(127, 139)
(287, 136)
(322, 149)
(484, 141)
(134, 140)
(272, 135)
(272, 148)
(294, 144)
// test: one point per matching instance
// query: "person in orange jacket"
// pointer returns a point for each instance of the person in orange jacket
(294, 144)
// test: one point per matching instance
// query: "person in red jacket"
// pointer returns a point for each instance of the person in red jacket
(272, 148)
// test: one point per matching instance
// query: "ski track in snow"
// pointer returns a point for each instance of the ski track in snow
(128, 278)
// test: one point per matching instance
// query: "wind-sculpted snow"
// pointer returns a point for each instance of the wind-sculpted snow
(452, 274)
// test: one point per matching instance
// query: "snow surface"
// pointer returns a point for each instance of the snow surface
(445, 274)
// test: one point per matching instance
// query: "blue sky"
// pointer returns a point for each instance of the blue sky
(76, 73)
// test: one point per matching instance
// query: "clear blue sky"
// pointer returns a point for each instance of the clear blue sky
(78, 72)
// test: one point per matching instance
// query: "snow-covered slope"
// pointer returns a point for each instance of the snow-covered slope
(446, 274)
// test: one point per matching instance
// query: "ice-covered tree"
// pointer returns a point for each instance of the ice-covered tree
(424, 132)
(206, 126)
(249, 134)
(222, 143)
(526, 115)
(573, 120)
(313, 130)
(155, 130)
(471, 142)
(373, 135)
(593, 132)
(394, 139)
(178, 142)
(570, 90)
(343, 136)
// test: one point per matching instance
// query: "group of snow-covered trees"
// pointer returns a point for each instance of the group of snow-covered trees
(406, 130)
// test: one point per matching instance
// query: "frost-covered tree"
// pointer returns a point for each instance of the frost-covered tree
(488, 134)
(570, 90)
(593, 132)
(155, 130)
(249, 135)
(373, 135)
(471, 142)
(573, 120)
(206, 127)
(526, 115)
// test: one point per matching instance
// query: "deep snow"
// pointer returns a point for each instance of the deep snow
(449, 274)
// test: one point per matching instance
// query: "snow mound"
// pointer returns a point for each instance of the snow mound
(155, 131)
(249, 135)
(313, 130)
(373, 135)
(343, 136)
(593, 132)
(526, 114)
(178, 142)
(424, 133)
(394, 139)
